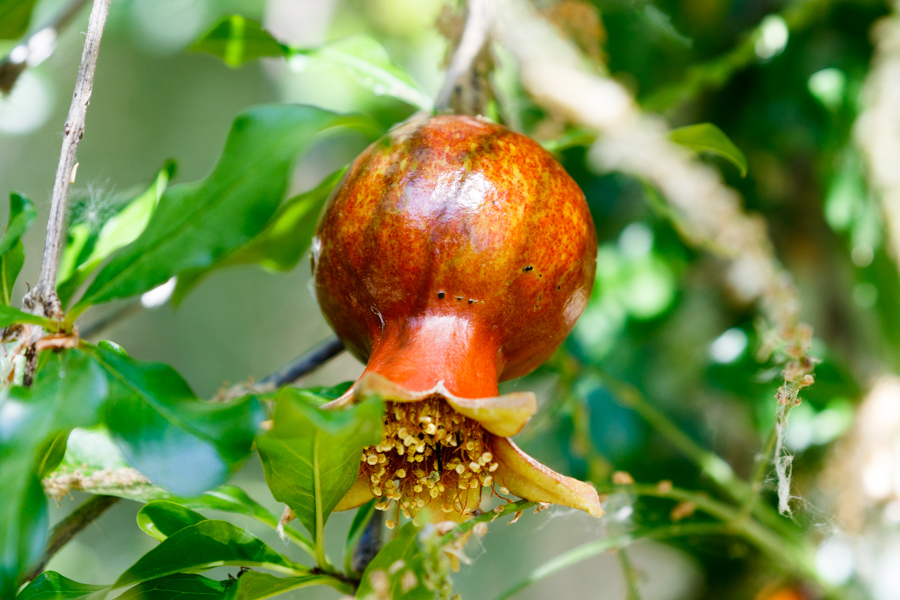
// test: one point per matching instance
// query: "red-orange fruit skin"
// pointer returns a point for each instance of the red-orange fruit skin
(454, 250)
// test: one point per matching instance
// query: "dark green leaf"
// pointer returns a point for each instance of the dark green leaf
(68, 391)
(12, 251)
(237, 39)
(311, 457)
(161, 518)
(405, 549)
(50, 585)
(52, 454)
(360, 520)
(88, 247)
(281, 244)
(205, 545)
(256, 586)
(10, 315)
(196, 225)
(167, 433)
(15, 15)
(181, 586)
(706, 137)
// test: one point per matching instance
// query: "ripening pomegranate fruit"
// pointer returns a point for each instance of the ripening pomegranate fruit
(454, 254)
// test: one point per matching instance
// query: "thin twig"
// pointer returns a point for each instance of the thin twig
(465, 86)
(42, 299)
(69, 527)
(37, 48)
(631, 574)
(307, 362)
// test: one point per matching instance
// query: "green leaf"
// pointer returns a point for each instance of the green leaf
(256, 586)
(10, 315)
(50, 585)
(68, 391)
(167, 433)
(53, 453)
(88, 248)
(161, 518)
(181, 586)
(360, 520)
(205, 545)
(402, 550)
(706, 137)
(311, 457)
(281, 244)
(196, 225)
(366, 59)
(15, 16)
(237, 39)
(12, 251)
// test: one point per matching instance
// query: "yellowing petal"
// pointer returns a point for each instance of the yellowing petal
(501, 415)
(529, 479)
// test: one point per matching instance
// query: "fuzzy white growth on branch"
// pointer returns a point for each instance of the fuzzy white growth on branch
(709, 212)
(877, 129)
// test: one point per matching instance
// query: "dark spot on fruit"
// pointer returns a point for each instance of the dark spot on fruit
(557, 287)
(528, 268)
(459, 297)
(471, 301)
(441, 294)
(540, 296)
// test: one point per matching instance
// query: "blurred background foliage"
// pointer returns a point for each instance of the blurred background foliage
(781, 79)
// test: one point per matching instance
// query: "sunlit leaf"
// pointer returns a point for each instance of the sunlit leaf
(50, 585)
(197, 224)
(237, 39)
(88, 248)
(10, 315)
(12, 251)
(706, 137)
(402, 550)
(161, 518)
(311, 457)
(15, 15)
(204, 545)
(281, 244)
(180, 442)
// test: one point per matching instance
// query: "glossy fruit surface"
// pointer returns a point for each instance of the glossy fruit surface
(454, 251)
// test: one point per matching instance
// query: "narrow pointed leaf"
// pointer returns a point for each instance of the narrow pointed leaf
(257, 586)
(280, 245)
(12, 251)
(357, 526)
(15, 15)
(205, 545)
(50, 585)
(181, 586)
(706, 137)
(237, 40)
(161, 518)
(167, 433)
(197, 224)
(311, 457)
(88, 248)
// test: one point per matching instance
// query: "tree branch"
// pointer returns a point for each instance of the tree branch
(69, 527)
(465, 90)
(42, 299)
(307, 362)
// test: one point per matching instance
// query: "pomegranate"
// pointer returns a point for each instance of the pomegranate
(454, 254)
